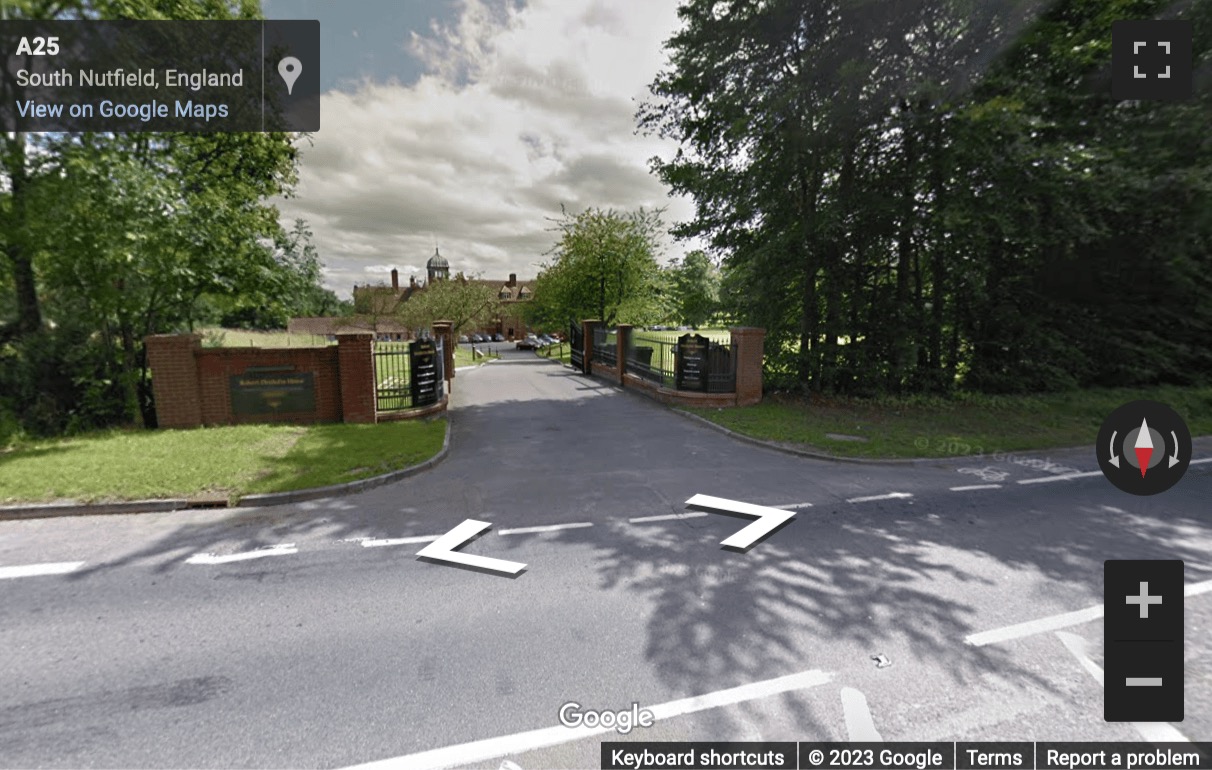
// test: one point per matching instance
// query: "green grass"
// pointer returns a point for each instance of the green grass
(967, 425)
(226, 461)
(240, 338)
(561, 351)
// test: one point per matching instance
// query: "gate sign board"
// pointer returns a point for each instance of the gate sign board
(690, 369)
(268, 391)
(423, 370)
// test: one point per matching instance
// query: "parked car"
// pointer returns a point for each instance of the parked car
(527, 344)
(464, 338)
(477, 337)
(498, 337)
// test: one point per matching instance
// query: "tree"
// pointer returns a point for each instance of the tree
(115, 236)
(695, 288)
(464, 303)
(605, 267)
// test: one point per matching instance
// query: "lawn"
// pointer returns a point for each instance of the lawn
(241, 338)
(922, 427)
(225, 461)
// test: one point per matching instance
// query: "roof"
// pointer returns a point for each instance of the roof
(437, 260)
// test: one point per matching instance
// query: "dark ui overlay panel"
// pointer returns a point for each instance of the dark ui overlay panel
(1004, 755)
(112, 76)
(1143, 677)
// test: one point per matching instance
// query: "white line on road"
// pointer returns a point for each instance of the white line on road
(1201, 461)
(505, 745)
(859, 724)
(790, 506)
(1062, 477)
(272, 550)
(371, 543)
(1054, 622)
(889, 496)
(1154, 732)
(33, 570)
(667, 517)
(546, 528)
(976, 486)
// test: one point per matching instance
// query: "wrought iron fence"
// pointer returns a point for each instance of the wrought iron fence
(656, 361)
(393, 381)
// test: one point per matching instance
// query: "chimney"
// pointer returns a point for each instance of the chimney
(395, 279)
(513, 279)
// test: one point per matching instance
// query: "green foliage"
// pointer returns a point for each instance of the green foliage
(694, 287)
(924, 196)
(466, 304)
(109, 238)
(605, 267)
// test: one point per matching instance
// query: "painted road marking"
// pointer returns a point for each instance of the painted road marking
(1062, 477)
(368, 542)
(547, 528)
(791, 506)
(667, 517)
(859, 724)
(976, 486)
(33, 570)
(1154, 732)
(1055, 622)
(1201, 461)
(872, 498)
(518, 743)
(260, 553)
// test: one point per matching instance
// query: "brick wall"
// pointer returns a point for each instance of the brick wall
(216, 366)
(356, 364)
(175, 379)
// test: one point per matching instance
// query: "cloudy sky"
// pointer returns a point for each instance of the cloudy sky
(465, 124)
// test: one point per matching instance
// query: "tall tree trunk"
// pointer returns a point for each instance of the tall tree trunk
(29, 313)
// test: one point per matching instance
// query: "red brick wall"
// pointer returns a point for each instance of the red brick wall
(217, 365)
(357, 371)
(175, 379)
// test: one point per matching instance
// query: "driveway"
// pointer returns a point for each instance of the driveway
(907, 601)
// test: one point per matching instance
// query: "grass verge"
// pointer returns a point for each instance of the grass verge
(226, 461)
(966, 425)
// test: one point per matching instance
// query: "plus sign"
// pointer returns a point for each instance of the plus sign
(1144, 600)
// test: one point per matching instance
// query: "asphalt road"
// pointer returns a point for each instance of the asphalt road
(337, 646)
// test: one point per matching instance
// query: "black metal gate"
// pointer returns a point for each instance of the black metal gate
(393, 389)
(576, 340)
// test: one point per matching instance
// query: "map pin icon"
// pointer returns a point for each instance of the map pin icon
(290, 68)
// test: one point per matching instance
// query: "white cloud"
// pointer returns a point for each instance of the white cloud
(522, 110)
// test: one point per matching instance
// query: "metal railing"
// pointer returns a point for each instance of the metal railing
(605, 351)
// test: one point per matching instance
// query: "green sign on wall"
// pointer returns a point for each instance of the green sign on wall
(255, 393)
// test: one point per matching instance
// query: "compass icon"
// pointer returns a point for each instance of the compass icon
(1144, 447)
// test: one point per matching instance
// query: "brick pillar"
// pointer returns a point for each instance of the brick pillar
(355, 360)
(174, 368)
(587, 328)
(748, 347)
(622, 339)
(444, 330)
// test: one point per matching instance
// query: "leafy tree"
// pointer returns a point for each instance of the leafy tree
(605, 266)
(695, 288)
(119, 236)
(466, 304)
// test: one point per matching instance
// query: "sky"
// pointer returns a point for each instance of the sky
(464, 125)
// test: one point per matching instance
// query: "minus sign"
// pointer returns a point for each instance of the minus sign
(1143, 681)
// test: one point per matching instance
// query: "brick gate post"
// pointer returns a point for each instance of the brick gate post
(355, 359)
(444, 330)
(622, 339)
(747, 349)
(174, 368)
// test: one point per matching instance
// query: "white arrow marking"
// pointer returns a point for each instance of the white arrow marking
(443, 549)
(1174, 458)
(1114, 457)
(272, 550)
(768, 518)
(33, 570)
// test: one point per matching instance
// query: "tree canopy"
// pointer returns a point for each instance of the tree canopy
(924, 196)
(604, 266)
